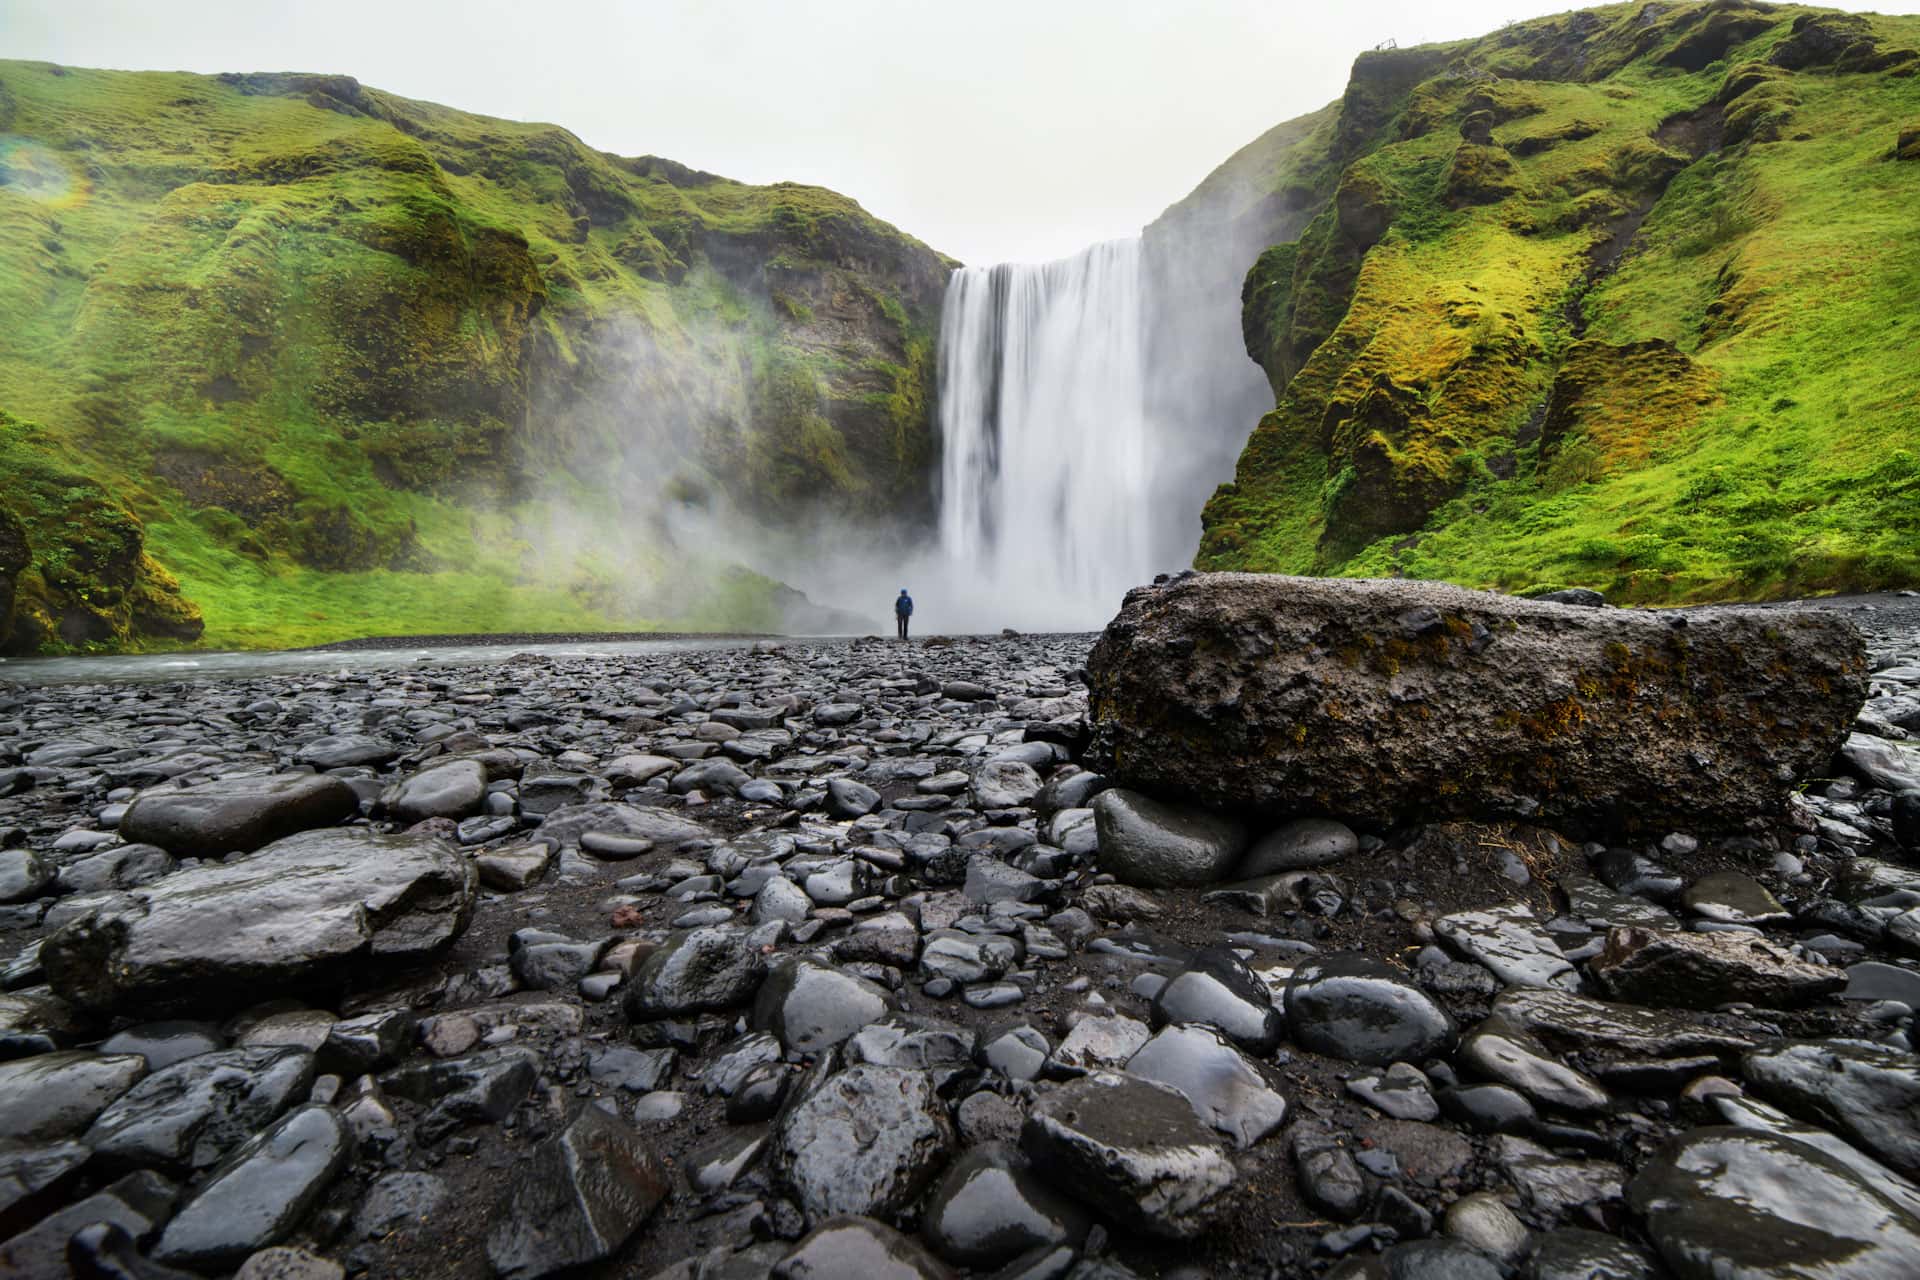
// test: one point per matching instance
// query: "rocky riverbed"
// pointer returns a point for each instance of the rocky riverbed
(846, 958)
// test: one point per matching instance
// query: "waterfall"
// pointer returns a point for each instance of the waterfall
(1048, 503)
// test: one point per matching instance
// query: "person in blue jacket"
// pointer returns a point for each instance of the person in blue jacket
(902, 610)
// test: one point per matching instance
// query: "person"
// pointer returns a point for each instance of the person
(902, 610)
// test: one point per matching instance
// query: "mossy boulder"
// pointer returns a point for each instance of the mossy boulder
(1481, 174)
(1393, 702)
(1907, 147)
(1821, 39)
(1612, 405)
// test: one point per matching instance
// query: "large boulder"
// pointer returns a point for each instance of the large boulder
(303, 913)
(1394, 701)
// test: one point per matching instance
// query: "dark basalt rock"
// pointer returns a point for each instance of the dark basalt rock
(1217, 990)
(236, 815)
(1871, 1096)
(812, 1006)
(580, 1197)
(1702, 970)
(1760, 1206)
(866, 1140)
(1153, 844)
(135, 1204)
(1218, 689)
(188, 1115)
(713, 968)
(481, 1088)
(57, 1095)
(1132, 1149)
(260, 1194)
(855, 1246)
(1226, 1091)
(1353, 1007)
(989, 1208)
(310, 910)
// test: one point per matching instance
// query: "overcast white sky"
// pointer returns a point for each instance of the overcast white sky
(991, 129)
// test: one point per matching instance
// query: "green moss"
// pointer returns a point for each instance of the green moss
(1739, 420)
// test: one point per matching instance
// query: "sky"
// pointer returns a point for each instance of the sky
(994, 130)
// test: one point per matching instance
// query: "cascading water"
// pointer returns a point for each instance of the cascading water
(1047, 502)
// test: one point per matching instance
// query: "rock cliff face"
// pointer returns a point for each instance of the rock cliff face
(301, 338)
(1588, 302)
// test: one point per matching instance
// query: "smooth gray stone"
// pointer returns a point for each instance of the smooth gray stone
(1154, 845)
(1868, 1095)
(1352, 1007)
(451, 789)
(1297, 846)
(25, 875)
(236, 815)
(136, 1204)
(850, 1246)
(564, 826)
(702, 970)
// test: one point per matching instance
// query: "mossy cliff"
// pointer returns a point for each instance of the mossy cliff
(1622, 298)
(293, 359)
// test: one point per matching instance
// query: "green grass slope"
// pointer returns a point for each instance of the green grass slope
(1623, 298)
(289, 359)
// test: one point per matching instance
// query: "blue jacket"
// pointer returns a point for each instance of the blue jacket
(903, 605)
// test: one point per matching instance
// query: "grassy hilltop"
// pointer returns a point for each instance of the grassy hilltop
(1625, 298)
(284, 359)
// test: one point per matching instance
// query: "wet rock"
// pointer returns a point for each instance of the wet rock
(989, 1208)
(1251, 691)
(1868, 1095)
(666, 831)
(635, 1070)
(1481, 1220)
(136, 1204)
(866, 1140)
(35, 1181)
(57, 1095)
(855, 1246)
(1501, 1051)
(1005, 784)
(1353, 1007)
(1570, 1022)
(912, 1041)
(1702, 970)
(812, 1006)
(1152, 844)
(481, 1088)
(1300, 844)
(849, 799)
(346, 750)
(1119, 902)
(1630, 872)
(1216, 989)
(580, 1197)
(190, 1114)
(236, 815)
(1508, 940)
(450, 789)
(126, 867)
(260, 1194)
(1760, 1206)
(24, 875)
(707, 969)
(307, 910)
(1132, 1149)
(1329, 1178)
(1596, 905)
(1574, 1254)
(1101, 1042)
(164, 1043)
(1226, 1091)
(1550, 1184)
(1400, 1092)
(1731, 898)
(1487, 1108)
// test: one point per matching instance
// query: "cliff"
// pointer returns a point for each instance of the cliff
(290, 358)
(1621, 298)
